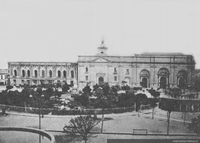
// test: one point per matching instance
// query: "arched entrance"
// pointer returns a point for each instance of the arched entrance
(144, 82)
(163, 82)
(182, 79)
(101, 81)
(144, 78)
(182, 83)
(163, 78)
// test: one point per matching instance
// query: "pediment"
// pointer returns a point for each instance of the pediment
(101, 60)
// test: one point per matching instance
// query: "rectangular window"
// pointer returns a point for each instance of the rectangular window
(86, 77)
(127, 71)
(115, 70)
(115, 78)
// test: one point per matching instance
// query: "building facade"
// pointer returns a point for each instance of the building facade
(3, 76)
(34, 73)
(147, 70)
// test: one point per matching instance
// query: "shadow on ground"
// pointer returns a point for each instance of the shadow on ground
(105, 119)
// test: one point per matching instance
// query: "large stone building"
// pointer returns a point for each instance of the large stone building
(35, 73)
(3, 76)
(147, 70)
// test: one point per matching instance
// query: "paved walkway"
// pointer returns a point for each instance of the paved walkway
(124, 122)
(114, 123)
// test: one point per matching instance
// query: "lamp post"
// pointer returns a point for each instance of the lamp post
(39, 103)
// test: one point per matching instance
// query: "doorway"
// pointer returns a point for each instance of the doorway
(101, 80)
(163, 82)
(144, 82)
(182, 83)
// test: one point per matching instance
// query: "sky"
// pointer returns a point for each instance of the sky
(60, 30)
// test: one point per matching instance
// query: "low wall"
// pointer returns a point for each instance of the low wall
(31, 130)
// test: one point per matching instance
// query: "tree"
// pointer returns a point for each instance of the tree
(3, 100)
(106, 89)
(175, 92)
(65, 87)
(195, 125)
(140, 99)
(155, 94)
(169, 106)
(81, 127)
(83, 99)
(87, 90)
(9, 87)
(101, 102)
(115, 89)
(126, 88)
(38, 100)
(126, 99)
(95, 87)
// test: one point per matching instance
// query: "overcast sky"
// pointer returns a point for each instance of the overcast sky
(60, 30)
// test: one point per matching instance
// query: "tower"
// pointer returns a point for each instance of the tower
(102, 49)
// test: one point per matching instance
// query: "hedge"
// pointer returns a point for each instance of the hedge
(67, 112)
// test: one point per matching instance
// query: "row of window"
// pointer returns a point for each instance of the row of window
(41, 81)
(115, 70)
(115, 78)
(43, 73)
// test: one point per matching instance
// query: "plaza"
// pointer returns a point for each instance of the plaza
(116, 126)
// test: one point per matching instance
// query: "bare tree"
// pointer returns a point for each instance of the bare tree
(80, 127)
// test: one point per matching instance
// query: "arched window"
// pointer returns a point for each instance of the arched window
(86, 69)
(15, 72)
(50, 73)
(43, 74)
(23, 73)
(72, 74)
(64, 74)
(28, 73)
(59, 73)
(35, 73)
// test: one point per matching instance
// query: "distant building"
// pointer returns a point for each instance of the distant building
(147, 70)
(3, 76)
(34, 73)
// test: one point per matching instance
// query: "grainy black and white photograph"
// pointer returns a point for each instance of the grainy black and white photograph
(100, 71)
